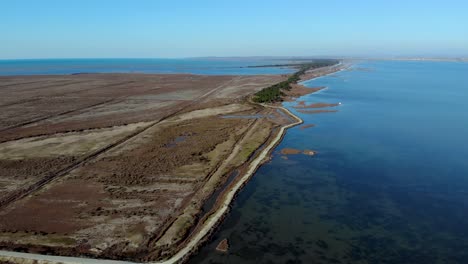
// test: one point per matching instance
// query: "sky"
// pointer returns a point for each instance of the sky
(198, 28)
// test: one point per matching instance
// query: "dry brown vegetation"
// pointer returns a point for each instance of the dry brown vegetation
(306, 126)
(290, 151)
(223, 246)
(302, 105)
(119, 165)
(298, 90)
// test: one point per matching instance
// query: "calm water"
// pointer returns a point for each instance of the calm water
(195, 66)
(389, 183)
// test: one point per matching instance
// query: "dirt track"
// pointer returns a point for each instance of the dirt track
(140, 189)
(209, 223)
(161, 145)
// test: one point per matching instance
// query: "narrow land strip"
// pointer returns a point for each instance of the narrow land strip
(208, 225)
(209, 222)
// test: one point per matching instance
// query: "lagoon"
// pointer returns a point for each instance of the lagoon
(208, 66)
(389, 182)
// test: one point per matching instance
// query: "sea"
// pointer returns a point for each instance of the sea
(389, 182)
(210, 66)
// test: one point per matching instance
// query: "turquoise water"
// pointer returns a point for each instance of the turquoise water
(389, 183)
(195, 66)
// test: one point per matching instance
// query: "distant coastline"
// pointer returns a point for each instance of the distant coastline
(204, 228)
(141, 66)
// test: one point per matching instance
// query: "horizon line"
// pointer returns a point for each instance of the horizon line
(247, 57)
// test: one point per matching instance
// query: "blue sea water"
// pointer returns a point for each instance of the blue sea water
(389, 183)
(194, 66)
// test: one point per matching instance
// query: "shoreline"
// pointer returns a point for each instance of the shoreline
(300, 89)
(214, 219)
(207, 227)
(325, 72)
(321, 72)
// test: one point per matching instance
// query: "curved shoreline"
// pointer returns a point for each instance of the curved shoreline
(214, 219)
(210, 223)
(207, 226)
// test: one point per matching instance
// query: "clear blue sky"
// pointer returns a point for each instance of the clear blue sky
(157, 28)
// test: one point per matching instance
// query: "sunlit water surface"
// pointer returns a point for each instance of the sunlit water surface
(389, 183)
(195, 66)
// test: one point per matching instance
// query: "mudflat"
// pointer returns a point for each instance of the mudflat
(119, 166)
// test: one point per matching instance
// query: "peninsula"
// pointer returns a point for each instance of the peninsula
(132, 167)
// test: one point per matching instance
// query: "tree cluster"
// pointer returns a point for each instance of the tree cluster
(274, 93)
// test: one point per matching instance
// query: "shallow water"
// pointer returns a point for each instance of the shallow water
(194, 66)
(389, 183)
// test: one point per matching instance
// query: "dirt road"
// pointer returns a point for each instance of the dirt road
(208, 225)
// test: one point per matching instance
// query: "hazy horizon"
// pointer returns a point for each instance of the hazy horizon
(240, 58)
(159, 29)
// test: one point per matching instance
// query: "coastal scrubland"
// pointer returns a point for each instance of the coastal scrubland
(127, 166)
(119, 165)
(277, 91)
